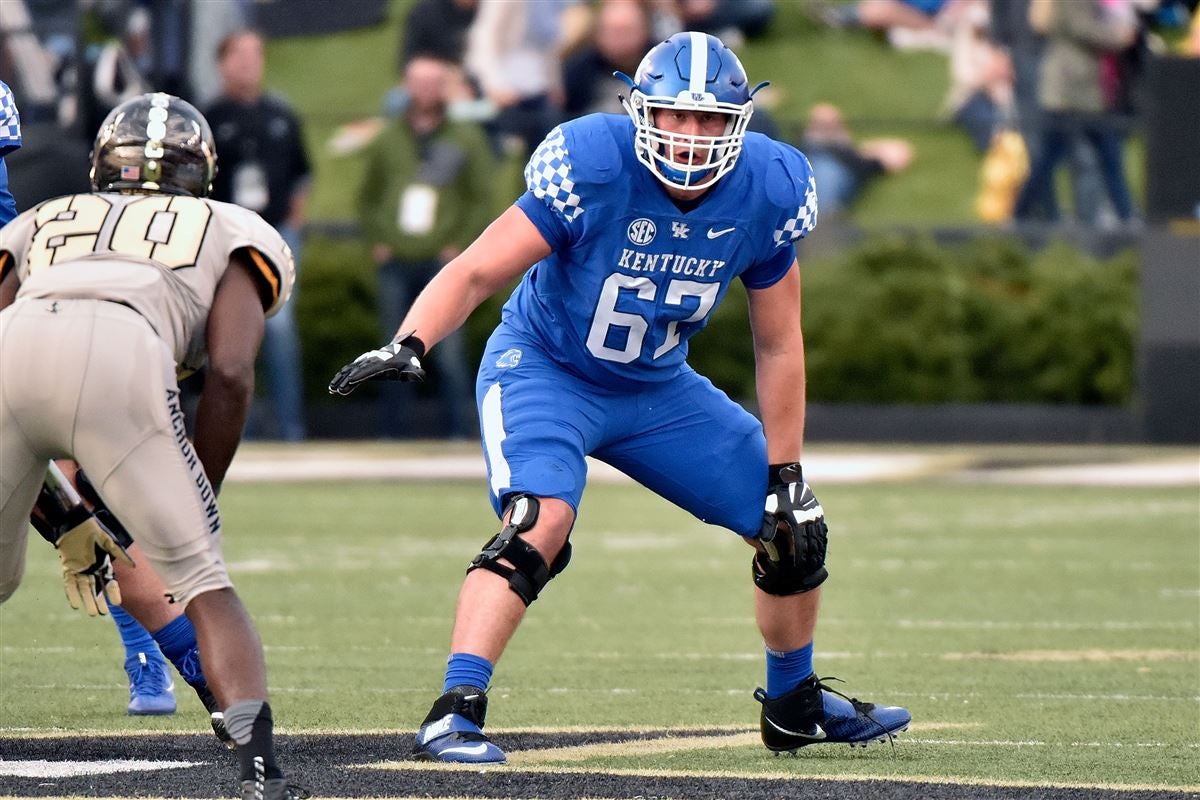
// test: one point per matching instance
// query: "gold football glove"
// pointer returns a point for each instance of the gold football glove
(85, 552)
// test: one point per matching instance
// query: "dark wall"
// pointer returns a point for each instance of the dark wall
(1169, 350)
(1173, 139)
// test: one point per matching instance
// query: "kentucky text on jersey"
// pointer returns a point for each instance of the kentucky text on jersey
(637, 261)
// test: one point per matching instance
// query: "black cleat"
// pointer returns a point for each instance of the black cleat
(812, 713)
(453, 730)
(216, 717)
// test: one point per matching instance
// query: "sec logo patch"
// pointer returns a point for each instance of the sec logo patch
(641, 231)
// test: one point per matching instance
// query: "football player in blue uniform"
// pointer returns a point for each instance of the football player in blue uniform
(635, 227)
(10, 140)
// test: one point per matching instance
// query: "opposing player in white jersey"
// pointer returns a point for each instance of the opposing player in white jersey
(631, 233)
(106, 297)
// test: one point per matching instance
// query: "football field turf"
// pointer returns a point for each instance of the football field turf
(1045, 638)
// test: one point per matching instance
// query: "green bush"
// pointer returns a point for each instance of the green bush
(906, 321)
(894, 320)
(335, 307)
(888, 324)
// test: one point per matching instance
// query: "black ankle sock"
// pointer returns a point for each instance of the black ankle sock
(257, 756)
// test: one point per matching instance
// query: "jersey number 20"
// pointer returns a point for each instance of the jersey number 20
(169, 230)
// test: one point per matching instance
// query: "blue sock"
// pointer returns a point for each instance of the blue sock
(785, 671)
(135, 638)
(177, 640)
(464, 669)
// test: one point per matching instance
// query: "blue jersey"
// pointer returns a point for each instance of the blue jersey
(10, 139)
(632, 277)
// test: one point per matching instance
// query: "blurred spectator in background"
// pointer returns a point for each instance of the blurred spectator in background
(981, 78)
(732, 21)
(622, 35)
(437, 28)
(841, 167)
(113, 71)
(1074, 99)
(1011, 32)
(10, 140)
(264, 167)
(1191, 45)
(514, 52)
(211, 22)
(422, 201)
(908, 24)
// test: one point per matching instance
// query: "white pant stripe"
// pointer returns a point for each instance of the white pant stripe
(493, 437)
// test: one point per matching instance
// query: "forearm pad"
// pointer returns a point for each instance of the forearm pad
(52, 516)
(101, 510)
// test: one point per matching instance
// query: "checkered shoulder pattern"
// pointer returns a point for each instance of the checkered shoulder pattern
(803, 221)
(10, 120)
(548, 176)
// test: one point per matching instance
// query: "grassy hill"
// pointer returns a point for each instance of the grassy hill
(334, 79)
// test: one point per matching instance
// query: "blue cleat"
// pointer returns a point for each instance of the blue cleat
(812, 713)
(151, 690)
(453, 730)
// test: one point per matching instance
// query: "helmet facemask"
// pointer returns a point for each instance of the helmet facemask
(655, 146)
(692, 72)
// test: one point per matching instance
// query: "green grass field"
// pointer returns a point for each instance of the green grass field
(1040, 635)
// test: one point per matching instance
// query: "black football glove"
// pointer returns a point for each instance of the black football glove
(398, 361)
(793, 537)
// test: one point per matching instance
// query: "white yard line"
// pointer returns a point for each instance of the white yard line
(1163, 473)
(431, 461)
(74, 769)
(256, 467)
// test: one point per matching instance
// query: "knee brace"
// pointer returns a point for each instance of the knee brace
(792, 561)
(530, 573)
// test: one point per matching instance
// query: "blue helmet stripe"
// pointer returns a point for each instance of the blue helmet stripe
(698, 75)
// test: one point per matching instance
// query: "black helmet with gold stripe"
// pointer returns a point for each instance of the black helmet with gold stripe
(154, 143)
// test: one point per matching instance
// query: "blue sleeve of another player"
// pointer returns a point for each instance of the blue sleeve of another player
(8, 204)
(10, 121)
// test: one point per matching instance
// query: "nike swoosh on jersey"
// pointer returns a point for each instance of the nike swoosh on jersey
(714, 234)
(818, 736)
(474, 750)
